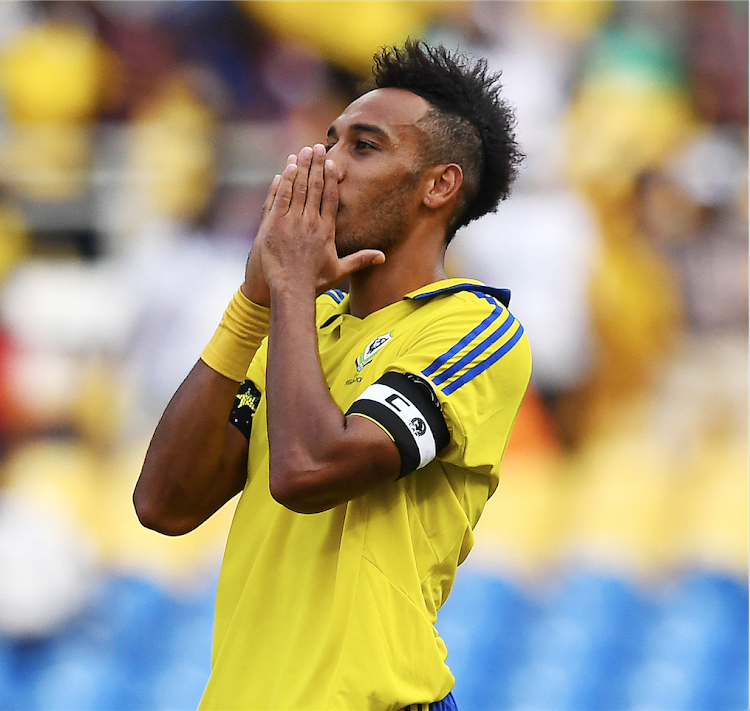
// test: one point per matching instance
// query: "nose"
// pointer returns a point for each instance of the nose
(339, 160)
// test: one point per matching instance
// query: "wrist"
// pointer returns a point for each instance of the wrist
(294, 291)
(257, 294)
(254, 287)
(243, 327)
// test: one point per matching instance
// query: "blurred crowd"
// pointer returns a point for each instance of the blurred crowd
(137, 141)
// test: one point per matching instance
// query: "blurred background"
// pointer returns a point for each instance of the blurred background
(137, 140)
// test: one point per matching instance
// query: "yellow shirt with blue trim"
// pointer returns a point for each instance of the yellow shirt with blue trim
(337, 610)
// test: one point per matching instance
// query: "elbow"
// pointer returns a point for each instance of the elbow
(148, 515)
(155, 518)
(299, 491)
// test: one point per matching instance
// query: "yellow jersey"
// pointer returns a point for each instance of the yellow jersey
(336, 610)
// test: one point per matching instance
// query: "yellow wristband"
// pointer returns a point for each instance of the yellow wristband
(239, 335)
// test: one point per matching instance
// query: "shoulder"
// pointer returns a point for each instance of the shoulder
(477, 334)
(463, 304)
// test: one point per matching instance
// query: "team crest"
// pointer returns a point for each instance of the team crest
(371, 349)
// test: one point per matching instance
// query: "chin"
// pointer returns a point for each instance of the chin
(346, 244)
(344, 249)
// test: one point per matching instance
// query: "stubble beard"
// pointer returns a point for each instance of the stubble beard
(382, 224)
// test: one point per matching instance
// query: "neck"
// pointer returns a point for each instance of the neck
(403, 271)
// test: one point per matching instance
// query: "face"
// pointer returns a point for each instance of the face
(374, 145)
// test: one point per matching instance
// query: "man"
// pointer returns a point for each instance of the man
(367, 433)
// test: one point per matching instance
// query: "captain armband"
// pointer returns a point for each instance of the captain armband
(406, 407)
(244, 407)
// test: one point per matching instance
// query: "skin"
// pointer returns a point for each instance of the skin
(355, 208)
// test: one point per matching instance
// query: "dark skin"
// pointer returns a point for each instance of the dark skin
(360, 208)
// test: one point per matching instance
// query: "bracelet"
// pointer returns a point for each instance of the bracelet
(237, 338)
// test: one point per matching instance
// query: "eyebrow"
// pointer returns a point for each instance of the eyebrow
(363, 128)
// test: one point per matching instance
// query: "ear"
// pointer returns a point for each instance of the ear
(442, 184)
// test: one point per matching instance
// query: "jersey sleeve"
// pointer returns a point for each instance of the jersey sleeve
(475, 357)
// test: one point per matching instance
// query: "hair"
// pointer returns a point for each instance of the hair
(467, 123)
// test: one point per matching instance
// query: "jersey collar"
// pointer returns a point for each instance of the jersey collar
(450, 286)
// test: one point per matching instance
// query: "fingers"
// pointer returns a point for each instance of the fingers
(315, 179)
(283, 195)
(291, 160)
(300, 186)
(345, 266)
(308, 181)
(360, 260)
(271, 194)
(330, 201)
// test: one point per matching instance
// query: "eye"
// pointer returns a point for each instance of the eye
(364, 146)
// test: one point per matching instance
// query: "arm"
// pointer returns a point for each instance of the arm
(196, 460)
(318, 457)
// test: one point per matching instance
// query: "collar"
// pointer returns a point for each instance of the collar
(451, 286)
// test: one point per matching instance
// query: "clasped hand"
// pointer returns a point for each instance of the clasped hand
(295, 246)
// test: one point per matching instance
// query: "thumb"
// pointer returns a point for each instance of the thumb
(360, 260)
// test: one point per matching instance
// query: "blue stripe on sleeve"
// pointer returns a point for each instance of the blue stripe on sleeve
(476, 351)
(483, 365)
(468, 338)
(336, 294)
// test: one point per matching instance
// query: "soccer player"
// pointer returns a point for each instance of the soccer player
(364, 429)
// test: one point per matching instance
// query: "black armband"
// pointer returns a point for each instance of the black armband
(406, 406)
(244, 407)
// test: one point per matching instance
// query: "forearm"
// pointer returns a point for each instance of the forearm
(195, 461)
(304, 423)
(319, 458)
(184, 478)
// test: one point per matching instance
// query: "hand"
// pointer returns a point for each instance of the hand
(296, 240)
(255, 287)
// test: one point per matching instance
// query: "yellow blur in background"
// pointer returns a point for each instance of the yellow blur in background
(137, 143)
(604, 474)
